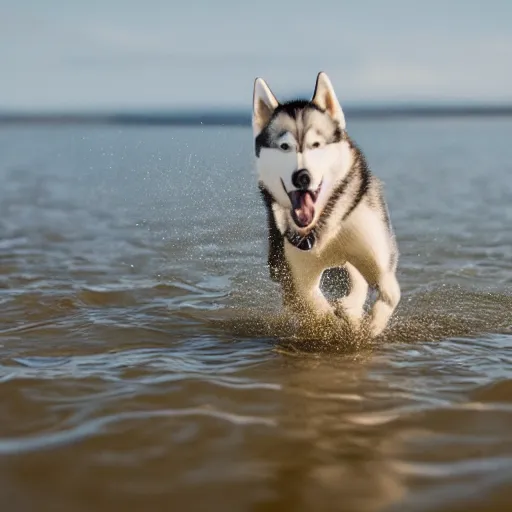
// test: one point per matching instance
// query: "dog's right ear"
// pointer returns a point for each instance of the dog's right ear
(263, 105)
(325, 97)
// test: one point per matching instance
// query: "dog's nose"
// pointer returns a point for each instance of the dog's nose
(301, 179)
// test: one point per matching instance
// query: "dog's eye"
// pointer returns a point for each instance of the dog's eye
(284, 146)
(315, 145)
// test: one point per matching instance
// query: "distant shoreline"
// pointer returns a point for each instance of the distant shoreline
(243, 118)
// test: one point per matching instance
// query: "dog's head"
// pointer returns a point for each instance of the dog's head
(301, 150)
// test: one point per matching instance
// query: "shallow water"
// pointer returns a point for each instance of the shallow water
(145, 363)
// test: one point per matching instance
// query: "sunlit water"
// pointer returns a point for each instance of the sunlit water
(146, 364)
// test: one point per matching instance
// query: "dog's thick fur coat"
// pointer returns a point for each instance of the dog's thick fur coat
(325, 208)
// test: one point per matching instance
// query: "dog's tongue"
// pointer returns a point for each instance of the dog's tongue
(303, 207)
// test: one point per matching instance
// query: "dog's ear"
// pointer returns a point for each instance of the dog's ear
(263, 105)
(325, 98)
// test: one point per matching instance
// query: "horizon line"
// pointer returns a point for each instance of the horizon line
(242, 117)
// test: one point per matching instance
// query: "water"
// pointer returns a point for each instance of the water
(145, 363)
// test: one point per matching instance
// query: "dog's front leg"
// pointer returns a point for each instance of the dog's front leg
(351, 306)
(305, 273)
(309, 299)
(388, 293)
(373, 251)
(387, 300)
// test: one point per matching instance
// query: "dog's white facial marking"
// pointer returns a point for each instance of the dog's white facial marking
(310, 141)
(314, 139)
(275, 168)
(280, 217)
(329, 165)
(287, 143)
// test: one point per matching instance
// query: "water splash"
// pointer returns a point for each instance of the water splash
(434, 315)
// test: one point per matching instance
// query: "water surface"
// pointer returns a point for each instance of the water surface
(145, 363)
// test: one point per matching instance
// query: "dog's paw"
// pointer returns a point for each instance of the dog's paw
(351, 324)
(376, 325)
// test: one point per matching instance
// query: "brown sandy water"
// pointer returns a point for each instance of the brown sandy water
(145, 363)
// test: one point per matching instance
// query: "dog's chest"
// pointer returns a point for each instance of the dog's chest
(316, 260)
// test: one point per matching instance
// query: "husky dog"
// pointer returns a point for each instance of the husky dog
(325, 209)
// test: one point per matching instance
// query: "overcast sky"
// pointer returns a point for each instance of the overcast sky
(73, 54)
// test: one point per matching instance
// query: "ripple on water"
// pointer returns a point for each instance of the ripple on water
(145, 359)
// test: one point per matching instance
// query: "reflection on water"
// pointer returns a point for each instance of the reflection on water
(145, 359)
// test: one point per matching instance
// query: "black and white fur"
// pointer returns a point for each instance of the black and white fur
(349, 224)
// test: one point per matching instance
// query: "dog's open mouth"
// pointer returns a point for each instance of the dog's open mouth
(303, 206)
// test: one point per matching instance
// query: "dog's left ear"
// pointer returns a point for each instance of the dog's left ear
(263, 105)
(325, 98)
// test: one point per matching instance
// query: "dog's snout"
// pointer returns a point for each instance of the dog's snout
(301, 179)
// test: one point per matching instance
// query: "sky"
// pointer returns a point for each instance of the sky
(156, 54)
